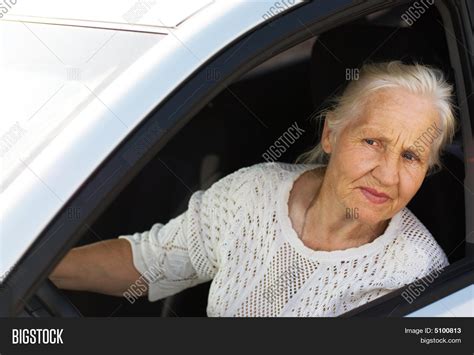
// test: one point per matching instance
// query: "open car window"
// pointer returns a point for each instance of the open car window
(253, 122)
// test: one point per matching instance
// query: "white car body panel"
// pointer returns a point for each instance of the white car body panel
(457, 304)
(116, 13)
(48, 177)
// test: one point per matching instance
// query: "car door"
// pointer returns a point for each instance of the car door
(125, 161)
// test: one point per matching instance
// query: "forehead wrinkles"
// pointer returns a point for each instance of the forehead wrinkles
(397, 115)
(399, 102)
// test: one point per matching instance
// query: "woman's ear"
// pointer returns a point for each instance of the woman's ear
(326, 136)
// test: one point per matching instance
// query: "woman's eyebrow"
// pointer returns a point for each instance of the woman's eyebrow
(374, 132)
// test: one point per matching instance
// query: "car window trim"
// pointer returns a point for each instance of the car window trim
(453, 278)
(460, 49)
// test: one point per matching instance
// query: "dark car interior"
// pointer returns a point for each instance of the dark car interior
(239, 125)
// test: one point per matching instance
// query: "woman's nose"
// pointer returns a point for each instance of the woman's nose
(387, 170)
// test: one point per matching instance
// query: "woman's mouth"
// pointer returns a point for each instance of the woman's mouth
(374, 196)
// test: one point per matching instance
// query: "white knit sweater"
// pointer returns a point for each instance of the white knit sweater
(238, 233)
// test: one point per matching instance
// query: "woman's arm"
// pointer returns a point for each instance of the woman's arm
(166, 259)
(104, 267)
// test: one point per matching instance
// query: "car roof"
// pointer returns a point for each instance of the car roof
(111, 105)
(144, 15)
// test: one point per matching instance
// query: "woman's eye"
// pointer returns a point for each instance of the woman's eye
(410, 156)
(370, 141)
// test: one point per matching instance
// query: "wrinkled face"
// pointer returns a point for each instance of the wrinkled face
(379, 160)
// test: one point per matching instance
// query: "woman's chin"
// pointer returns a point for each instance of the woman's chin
(369, 216)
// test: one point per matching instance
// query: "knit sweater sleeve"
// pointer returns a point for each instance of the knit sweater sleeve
(186, 251)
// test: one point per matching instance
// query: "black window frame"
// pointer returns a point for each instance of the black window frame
(145, 141)
(470, 8)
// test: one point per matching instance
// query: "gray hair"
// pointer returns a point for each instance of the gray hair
(417, 79)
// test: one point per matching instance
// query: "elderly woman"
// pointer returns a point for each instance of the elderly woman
(312, 239)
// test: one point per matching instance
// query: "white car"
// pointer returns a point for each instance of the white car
(113, 112)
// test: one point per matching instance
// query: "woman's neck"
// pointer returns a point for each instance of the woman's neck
(327, 227)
